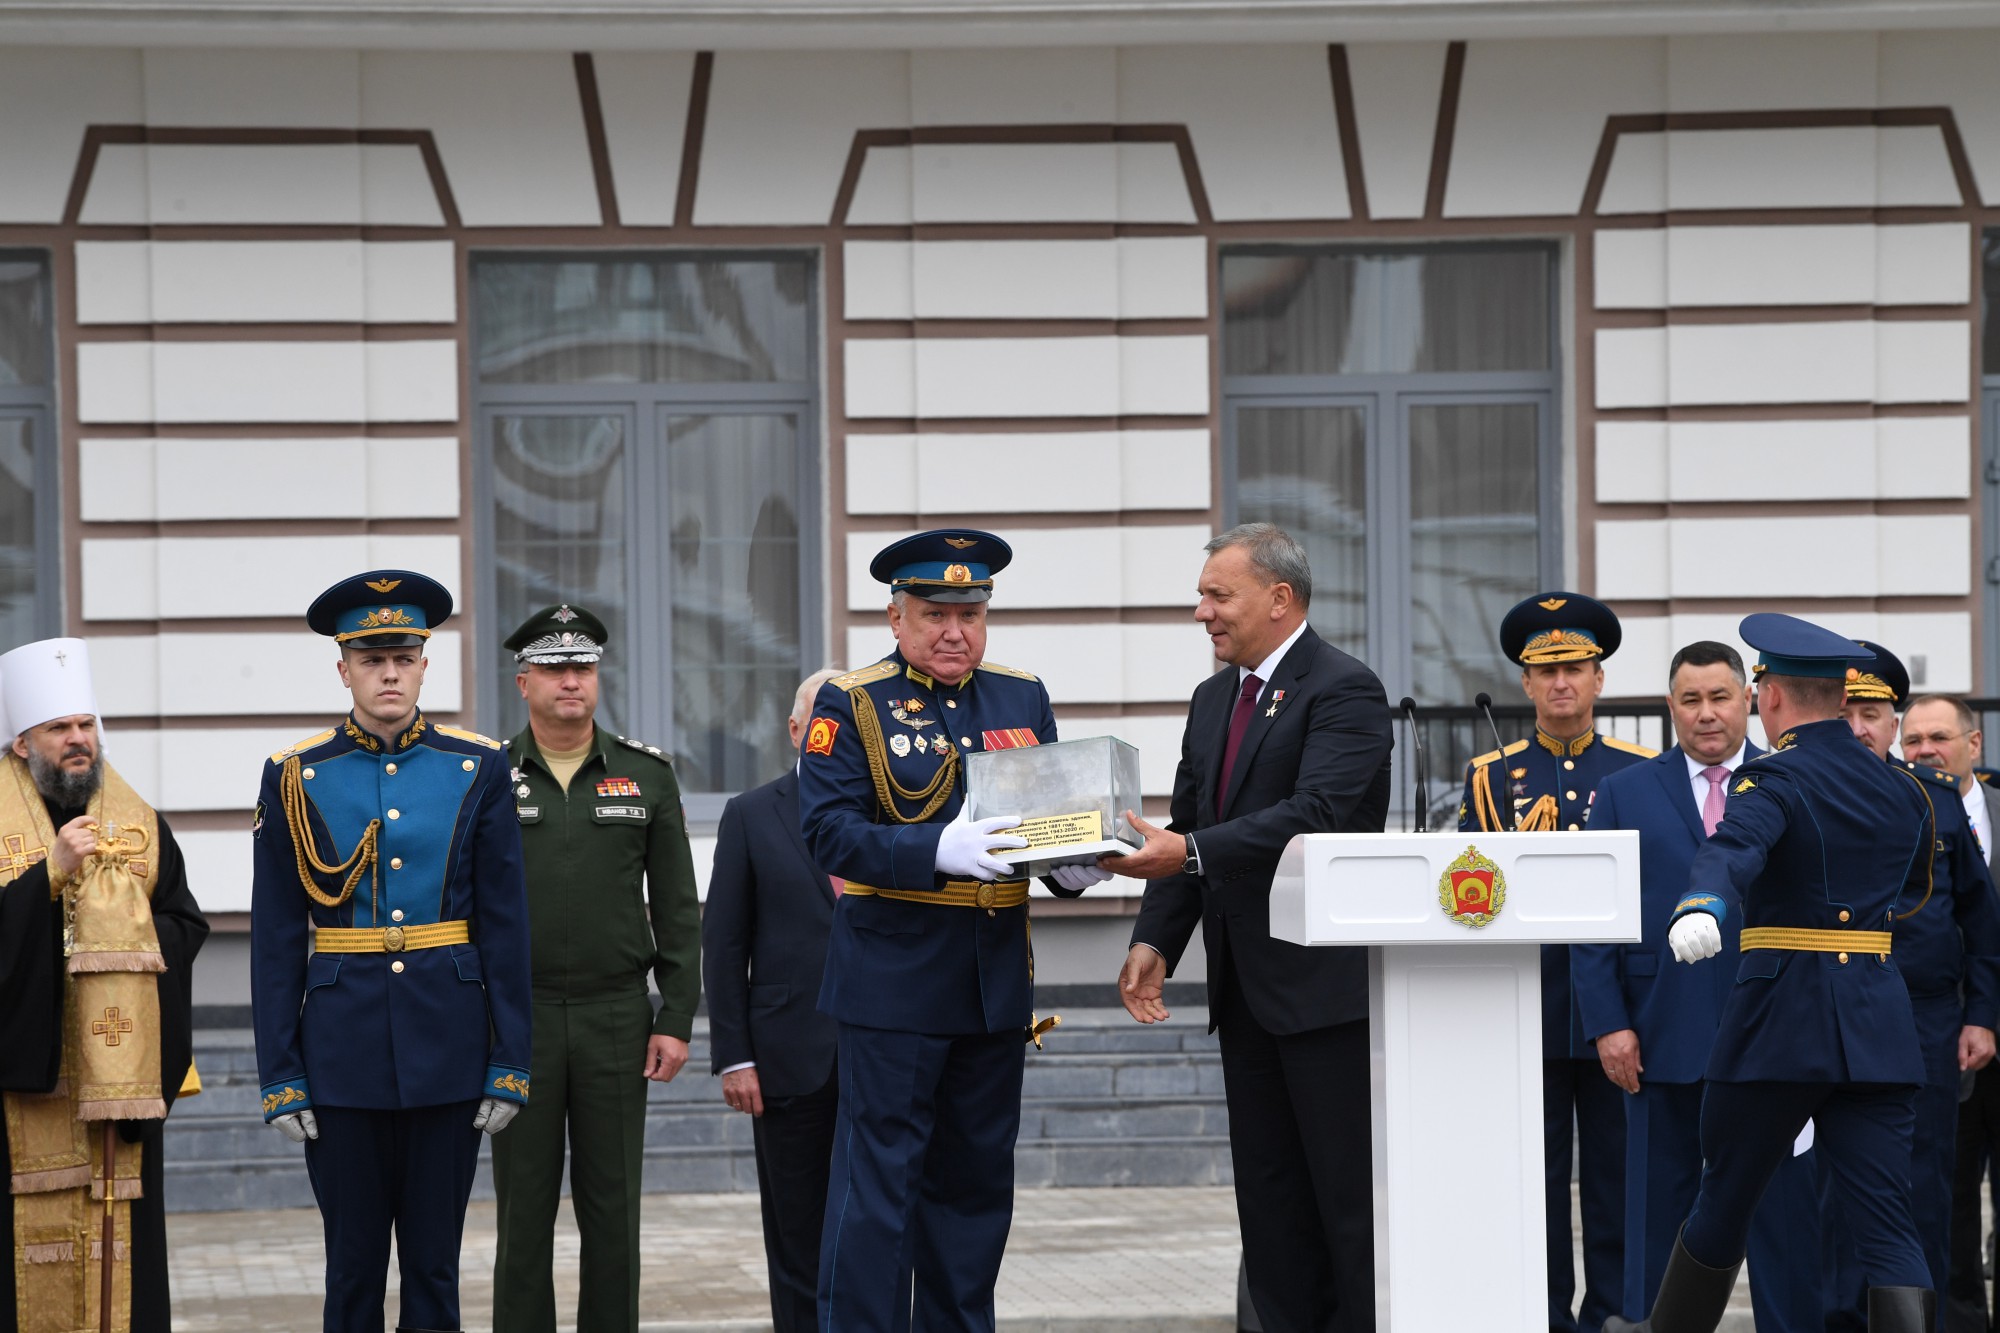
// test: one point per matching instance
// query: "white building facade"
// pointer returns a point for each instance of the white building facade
(684, 324)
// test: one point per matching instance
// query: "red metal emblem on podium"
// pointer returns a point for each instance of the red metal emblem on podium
(1472, 890)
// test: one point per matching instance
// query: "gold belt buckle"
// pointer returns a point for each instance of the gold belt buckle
(986, 895)
(392, 939)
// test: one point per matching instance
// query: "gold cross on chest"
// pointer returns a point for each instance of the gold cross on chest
(16, 855)
(110, 1026)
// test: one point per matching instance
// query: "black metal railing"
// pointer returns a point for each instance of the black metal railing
(1454, 736)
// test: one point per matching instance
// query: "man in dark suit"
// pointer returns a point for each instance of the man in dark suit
(763, 953)
(1295, 739)
(1647, 1017)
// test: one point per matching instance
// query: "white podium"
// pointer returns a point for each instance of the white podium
(1455, 1018)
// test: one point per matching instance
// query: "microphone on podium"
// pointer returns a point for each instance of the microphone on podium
(1420, 760)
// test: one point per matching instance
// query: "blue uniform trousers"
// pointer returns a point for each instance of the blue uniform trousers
(1933, 1150)
(407, 1171)
(1662, 1176)
(1583, 1116)
(1862, 1137)
(922, 1182)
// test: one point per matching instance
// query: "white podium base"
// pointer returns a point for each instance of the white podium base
(1455, 1036)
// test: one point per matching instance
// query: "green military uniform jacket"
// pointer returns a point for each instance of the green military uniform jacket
(593, 929)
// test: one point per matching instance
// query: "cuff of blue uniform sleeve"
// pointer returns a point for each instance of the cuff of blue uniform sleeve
(285, 1097)
(506, 1083)
(1700, 902)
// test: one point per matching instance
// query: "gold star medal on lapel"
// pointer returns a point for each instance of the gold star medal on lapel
(1277, 697)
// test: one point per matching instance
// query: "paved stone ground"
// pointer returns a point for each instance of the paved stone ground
(1140, 1260)
(1134, 1260)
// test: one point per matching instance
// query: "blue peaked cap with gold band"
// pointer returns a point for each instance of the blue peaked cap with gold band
(943, 565)
(1882, 677)
(1788, 646)
(1559, 627)
(384, 608)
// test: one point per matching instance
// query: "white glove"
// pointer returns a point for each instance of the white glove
(1694, 937)
(1078, 878)
(962, 848)
(495, 1115)
(298, 1126)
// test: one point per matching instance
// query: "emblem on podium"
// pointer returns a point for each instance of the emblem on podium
(1472, 890)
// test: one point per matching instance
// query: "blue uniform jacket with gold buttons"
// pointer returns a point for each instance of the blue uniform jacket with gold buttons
(1546, 784)
(891, 963)
(1951, 949)
(1820, 836)
(390, 1030)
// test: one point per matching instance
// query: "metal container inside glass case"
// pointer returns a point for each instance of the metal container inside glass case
(1072, 797)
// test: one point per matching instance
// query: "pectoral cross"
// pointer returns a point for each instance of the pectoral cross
(110, 1026)
(16, 856)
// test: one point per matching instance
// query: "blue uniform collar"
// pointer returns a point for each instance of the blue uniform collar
(365, 739)
(1829, 731)
(924, 678)
(1571, 748)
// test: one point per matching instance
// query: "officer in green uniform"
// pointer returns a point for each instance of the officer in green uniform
(599, 815)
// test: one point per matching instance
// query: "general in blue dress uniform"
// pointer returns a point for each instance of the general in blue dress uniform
(389, 959)
(1823, 847)
(1949, 955)
(928, 970)
(1560, 641)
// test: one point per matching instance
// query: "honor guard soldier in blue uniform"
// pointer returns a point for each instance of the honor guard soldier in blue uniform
(1949, 955)
(928, 971)
(1560, 641)
(389, 959)
(1823, 848)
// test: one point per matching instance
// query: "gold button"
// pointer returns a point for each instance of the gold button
(307, 775)
(1845, 914)
(991, 912)
(468, 766)
(1572, 828)
(1569, 796)
(1881, 957)
(396, 966)
(396, 915)
(1841, 956)
(395, 814)
(951, 703)
(966, 741)
(395, 863)
(390, 769)
(1569, 763)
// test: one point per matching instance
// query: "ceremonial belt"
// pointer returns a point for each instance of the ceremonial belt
(1816, 941)
(955, 893)
(391, 939)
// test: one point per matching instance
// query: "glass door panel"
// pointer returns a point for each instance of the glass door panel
(19, 622)
(1305, 468)
(560, 501)
(1475, 541)
(734, 569)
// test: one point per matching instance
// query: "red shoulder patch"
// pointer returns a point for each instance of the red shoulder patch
(819, 736)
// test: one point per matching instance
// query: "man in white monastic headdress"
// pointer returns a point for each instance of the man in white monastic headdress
(98, 934)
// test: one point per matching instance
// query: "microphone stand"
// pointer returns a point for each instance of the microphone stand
(1420, 761)
(1484, 703)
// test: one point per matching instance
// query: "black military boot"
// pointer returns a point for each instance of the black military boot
(1692, 1298)
(1902, 1310)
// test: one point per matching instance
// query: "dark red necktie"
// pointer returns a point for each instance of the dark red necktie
(1239, 722)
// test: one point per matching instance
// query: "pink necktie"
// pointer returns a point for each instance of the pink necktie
(1239, 722)
(839, 884)
(1711, 808)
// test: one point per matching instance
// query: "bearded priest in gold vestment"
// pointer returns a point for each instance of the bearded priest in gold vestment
(98, 934)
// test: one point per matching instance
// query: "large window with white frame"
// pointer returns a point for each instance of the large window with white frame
(30, 591)
(648, 449)
(1395, 409)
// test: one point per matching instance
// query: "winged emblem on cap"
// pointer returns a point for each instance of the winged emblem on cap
(563, 614)
(385, 585)
(1553, 603)
(961, 543)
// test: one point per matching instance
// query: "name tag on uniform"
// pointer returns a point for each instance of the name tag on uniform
(633, 812)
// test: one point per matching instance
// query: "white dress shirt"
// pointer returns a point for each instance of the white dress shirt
(1700, 783)
(1264, 669)
(1975, 810)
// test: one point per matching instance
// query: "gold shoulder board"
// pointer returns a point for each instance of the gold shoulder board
(460, 733)
(1015, 672)
(881, 670)
(1487, 758)
(1629, 748)
(318, 738)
